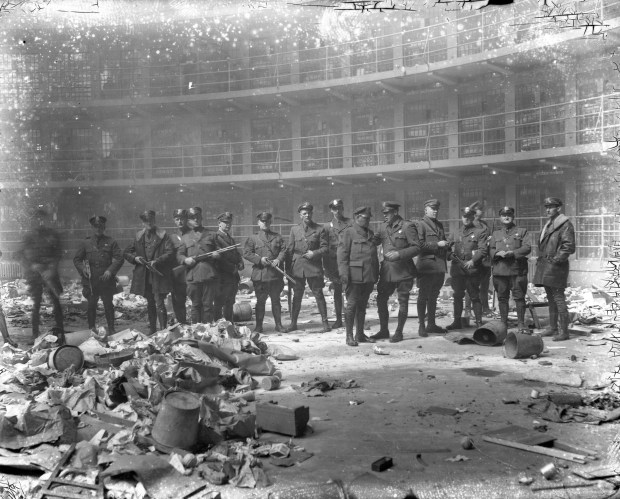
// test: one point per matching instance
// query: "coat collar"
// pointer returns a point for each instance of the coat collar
(555, 224)
(160, 233)
(397, 224)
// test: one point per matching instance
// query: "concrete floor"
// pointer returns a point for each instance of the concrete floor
(390, 417)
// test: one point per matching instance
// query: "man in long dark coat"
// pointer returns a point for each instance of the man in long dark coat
(152, 248)
(556, 244)
(228, 266)
(358, 267)
(179, 284)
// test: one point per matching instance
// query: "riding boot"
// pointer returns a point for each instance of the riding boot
(360, 337)
(109, 317)
(477, 306)
(521, 316)
(552, 329)
(295, 309)
(458, 311)
(259, 310)
(162, 317)
(337, 309)
(322, 306)
(349, 319)
(398, 334)
(503, 312)
(563, 334)
(277, 317)
(384, 317)
(422, 332)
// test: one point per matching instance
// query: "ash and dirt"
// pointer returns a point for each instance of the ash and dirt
(386, 405)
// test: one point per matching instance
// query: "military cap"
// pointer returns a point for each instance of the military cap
(363, 210)
(147, 215)
(194, 212)
(434, 203)
(336, 203)
(553, 202)
(96, 221)
(264, 216)
(507, 210)
(179, 213)
(476, 205)
(305, 206)
(389, 205)
(227, 216)
(467, 212)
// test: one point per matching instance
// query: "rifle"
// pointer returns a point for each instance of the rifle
(203, 256)
(288, 294)
(282, 272)
(456, 258)
(150, 268)
(88, 274)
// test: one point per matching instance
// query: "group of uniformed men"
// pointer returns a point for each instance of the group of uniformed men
(205, 265)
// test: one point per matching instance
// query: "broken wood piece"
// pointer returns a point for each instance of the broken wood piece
(567, 456)
(580, 330)
(555, 486)
(595, 474)
(574, 449)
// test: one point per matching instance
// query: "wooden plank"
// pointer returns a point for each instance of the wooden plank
(522, 435)
(567, 456)
(537, 488)
(574, 449)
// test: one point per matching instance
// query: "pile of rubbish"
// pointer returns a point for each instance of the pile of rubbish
(105, 404)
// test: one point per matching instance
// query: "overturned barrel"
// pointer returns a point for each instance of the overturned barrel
(491, 334)
(66, 356)
(176, 424)
(522, 346)
(242, 312)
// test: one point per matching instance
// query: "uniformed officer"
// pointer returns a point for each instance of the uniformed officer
(358, 267)
(152, 254)
(509, 248)
(39, 254)
(307, 244)
(228, 267)
(179, 284)
(556, 244)
(470, 248)
(431, 267)
(485, 268)
(202, 274)
(98, 259)
(266, 249)
(399, 241)
(335, 228)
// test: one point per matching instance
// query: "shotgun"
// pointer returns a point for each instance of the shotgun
(282, 272)
(203, 256)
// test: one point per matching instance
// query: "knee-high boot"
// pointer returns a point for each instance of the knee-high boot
(349, 319)
(520, 315)
(503, 312)
(259, 310)
(276, 310)
(402, 318)
(477, 306)
(563, 333)
(360, 316)
(295, 309)
(421, 305)
(109, 317)
(322, 306)
(384, 317)
(457, 307)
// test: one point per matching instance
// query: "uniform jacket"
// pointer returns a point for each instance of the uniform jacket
(313, 238)
(164, 260)
(102, 253)
(265, 244)
(554, 249)
(357, 255)
(481, 224)
(513, 239)
(194, 243)
(401, 236)
(470, 243)
(231, 261)
(334, 229)
(39, 254)
(179, 273)
(432, 258)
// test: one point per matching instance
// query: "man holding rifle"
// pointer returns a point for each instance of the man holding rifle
(266, 250)
(228, 266)
(197, 253)
(468, 251)
(97, 260)
(152, 253)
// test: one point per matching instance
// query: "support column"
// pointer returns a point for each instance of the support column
(510, 193)
(246, 137)
(452, 127)
(453, 210)
(570, 96)
(148, 153)
(347, 149)
(296, 138)
(399, 134)
(570, 197)
(509, 109)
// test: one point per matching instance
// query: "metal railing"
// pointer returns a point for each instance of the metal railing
(468, 35)
(570, 123)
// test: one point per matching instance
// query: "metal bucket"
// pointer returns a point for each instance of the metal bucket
(242, 312)
(491, 334)
(522, 346)
(63, 357)
(176, 424)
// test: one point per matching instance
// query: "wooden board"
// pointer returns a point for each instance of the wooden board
(522, 435)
